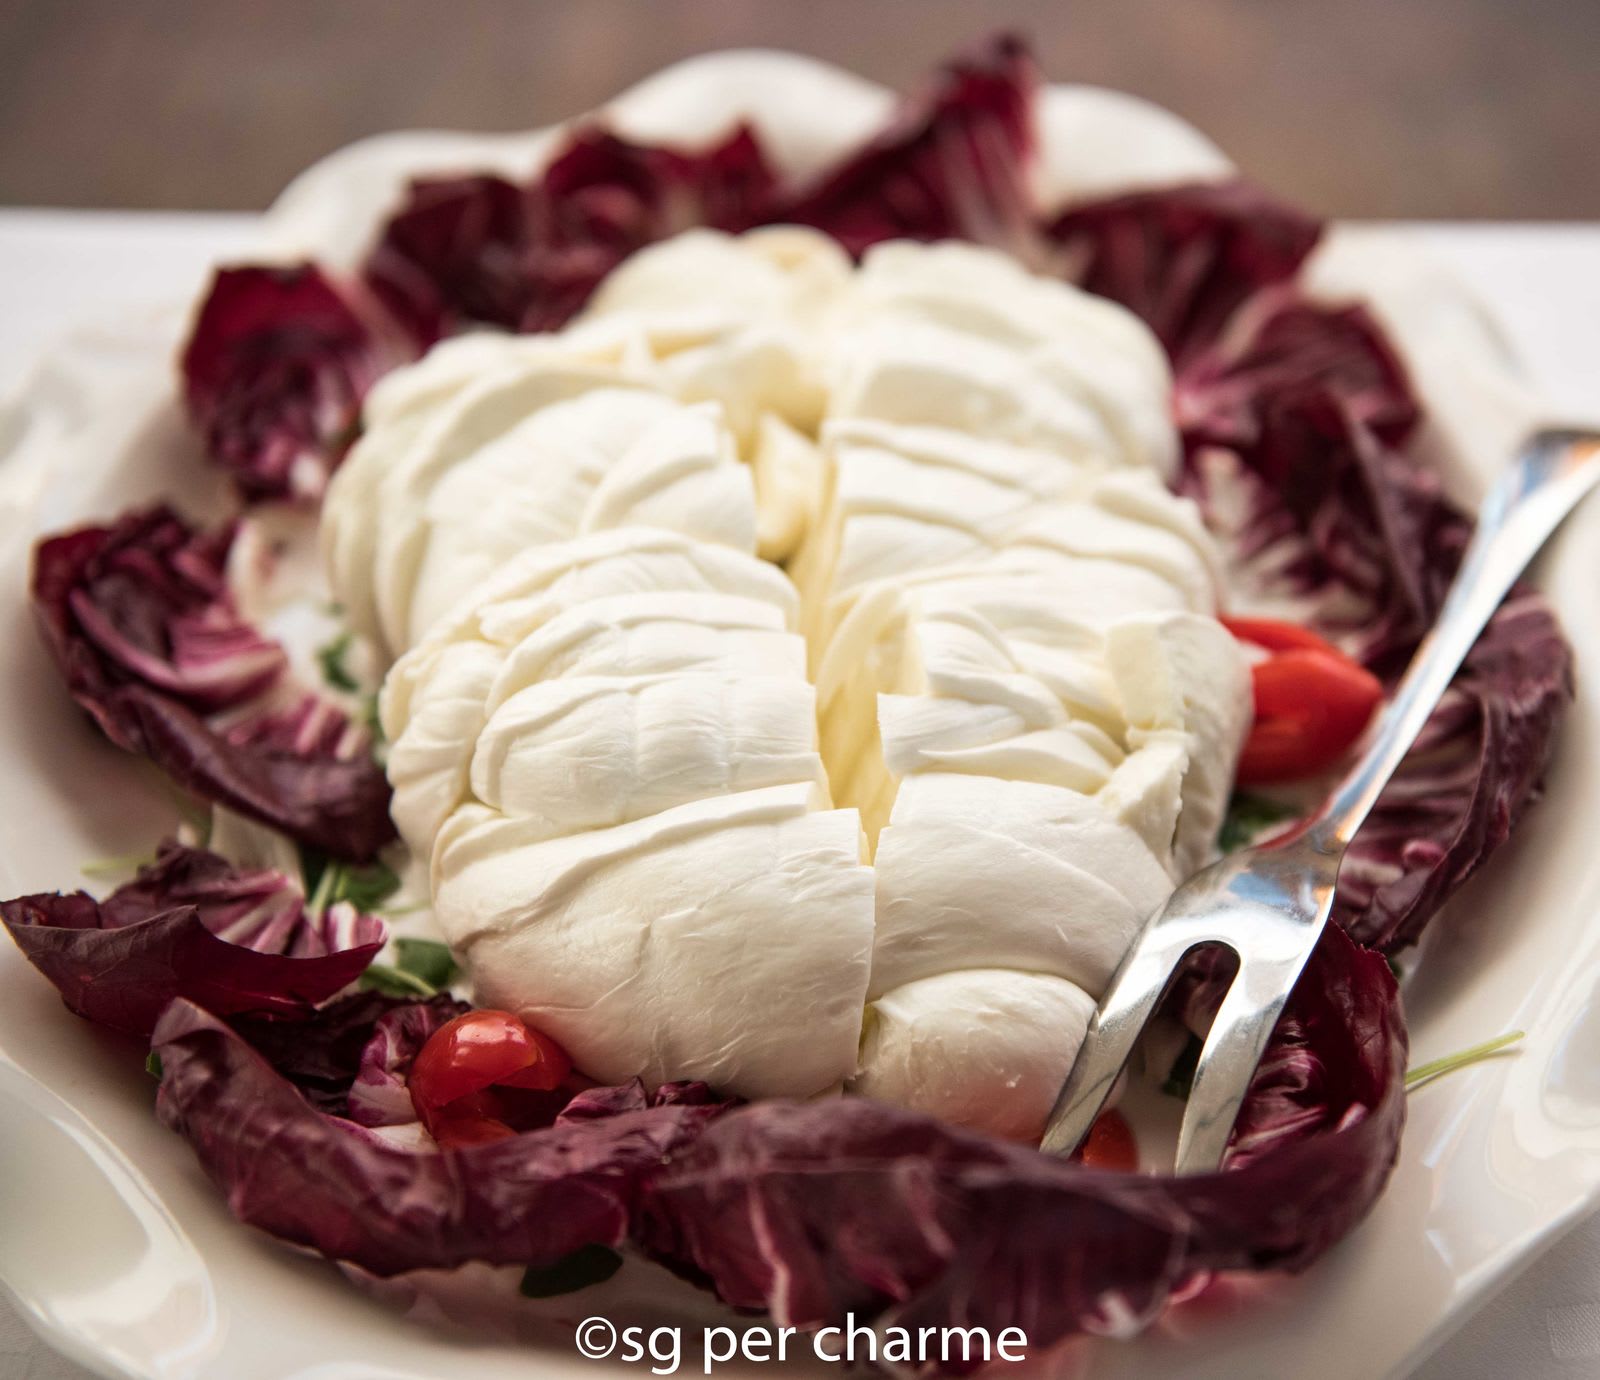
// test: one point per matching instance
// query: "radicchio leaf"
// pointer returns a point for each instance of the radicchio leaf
(191, 925)
(337, 1188)
(814, 1211)
(275, 369)
(140, 623)
(1279, 344)
(952, 164)
(1183, 258)
(467, 250)
(377, 1094)
(1477, 767)
(326, 1054)
(1363, 536)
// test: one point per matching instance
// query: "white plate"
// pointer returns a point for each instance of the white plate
(122, 1255)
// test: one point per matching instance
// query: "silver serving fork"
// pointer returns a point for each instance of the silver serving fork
(1268, 903)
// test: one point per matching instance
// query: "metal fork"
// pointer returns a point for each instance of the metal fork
(1269, 903)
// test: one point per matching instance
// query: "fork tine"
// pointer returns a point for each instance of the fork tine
(1136, 987)
(1234, 1046)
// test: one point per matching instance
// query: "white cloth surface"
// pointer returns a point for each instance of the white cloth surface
(65, 271)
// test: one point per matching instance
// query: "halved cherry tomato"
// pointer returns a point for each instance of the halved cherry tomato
(1311, 702)
(1110, 1143)
(455, 1074)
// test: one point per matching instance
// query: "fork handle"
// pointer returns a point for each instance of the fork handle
(1553, 472)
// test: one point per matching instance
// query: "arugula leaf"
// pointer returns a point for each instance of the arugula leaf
(427, 959)
(327, 882)
(152, 1066)
(331, 657)
(394, 982)
(366, 887)
(585, 1266)
(422, 967)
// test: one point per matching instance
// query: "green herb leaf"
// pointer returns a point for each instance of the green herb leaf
(327, 882)
(1249, 816)
(394, 982)
(585, 1266)
(427, 959)
(152, 1066)
(366, 888)
(330, 657)
(1437, 1068)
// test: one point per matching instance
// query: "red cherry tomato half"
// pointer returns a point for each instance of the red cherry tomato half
(454, 1075)
(1110, 1144)
(1311, 702)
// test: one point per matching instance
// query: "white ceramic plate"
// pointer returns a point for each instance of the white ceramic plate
(122, 1255)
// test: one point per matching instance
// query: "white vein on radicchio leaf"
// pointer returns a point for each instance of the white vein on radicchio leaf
(276, 366)
(138, 618)
(192, 925)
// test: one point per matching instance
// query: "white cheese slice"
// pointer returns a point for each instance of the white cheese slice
(728, 939)
(982, 1047)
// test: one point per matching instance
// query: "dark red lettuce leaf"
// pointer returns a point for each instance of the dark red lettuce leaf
(467, 250)
(1183, 258)
(1476, 769)
(1363, 533)
(813, 1211)
(598, 1103)
(375, 1092)
(139, 621)
(327, 1053)
(952, 164)
(191, 925)
(275, 369)
(335, 1187)
(1280, 344)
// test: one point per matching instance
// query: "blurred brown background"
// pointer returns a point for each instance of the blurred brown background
(1455, 108)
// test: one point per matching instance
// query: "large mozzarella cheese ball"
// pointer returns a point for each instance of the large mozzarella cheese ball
(888, 820)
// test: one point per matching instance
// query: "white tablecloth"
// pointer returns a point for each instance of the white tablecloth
(64, 271)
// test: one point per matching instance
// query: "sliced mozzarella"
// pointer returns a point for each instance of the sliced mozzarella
(1183, 681)
(728, 939)
(593, 751)
(604, 732)
(983, 1047)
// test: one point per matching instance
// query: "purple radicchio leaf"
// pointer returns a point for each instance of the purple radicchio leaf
(953, 162)
(1294, 416)
(275, 369)
(1362, 537)
(1279, 344)
(377, 1094)
(139, 621)
(1465, 786)
(335, 1187)
(1183, 258)
(814, 1211)
(480, 249)
(191, 925)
